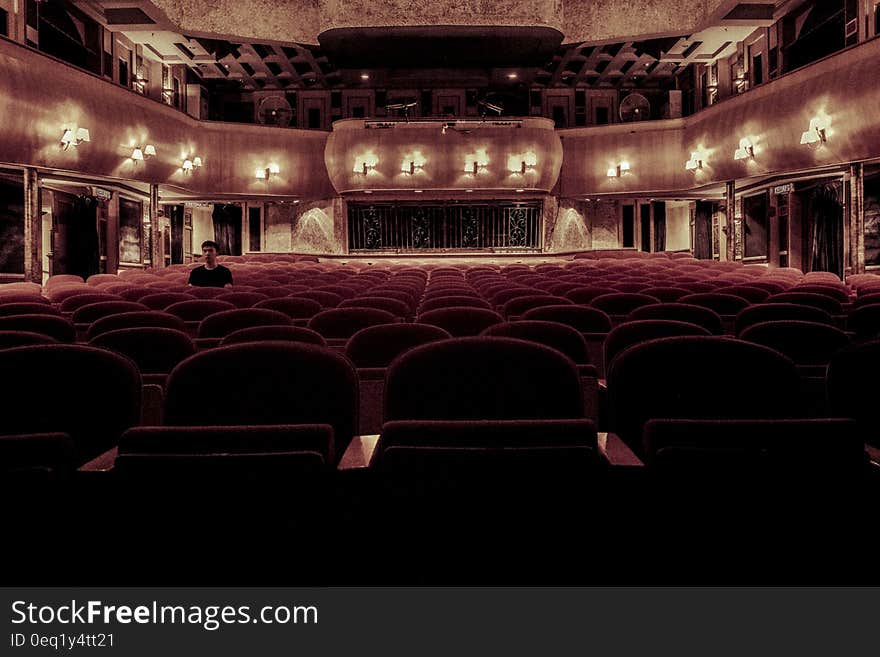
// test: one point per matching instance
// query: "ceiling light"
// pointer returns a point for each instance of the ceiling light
(365, 76)
(512, 76)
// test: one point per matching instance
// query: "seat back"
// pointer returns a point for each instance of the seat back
(806, 343)
(135, 319)
(681, 312)
(637, 331)
(698, 377)
(154, 349)
(96, 394)
(773, 312)
(482, 378)
(269, 333)
(557, 336)
(377, 346)
(461, 322)
(219, 325)
(274, 383)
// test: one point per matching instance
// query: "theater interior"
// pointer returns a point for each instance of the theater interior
(524, 292)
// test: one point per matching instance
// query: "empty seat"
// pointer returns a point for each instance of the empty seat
(748, 292)
(226, 453)
(135, 319)
(7, 309)
(207, 292)
(864, 321)
(697, 377)
(456, 301)
(36, 458)
(73, 303)
(461, 322)
(836, 291)
(293, 307)
(9, 339)
(377, 346)
(95, 311)
(543, 452)
(815, 449)
(581, 318)
(821, 301)
(342, 323)
(268, 333)
(137, 292)
(242, 299)
(806, 343)
(275, 383)
(557, 336)
(482, 378)
(519, 305)
(198, 309)
(504, 294)
(95, 394)
(58, 328)
(394, 306)
(681, 312)
(850, 393)
(154, 349)
(721, 303)
(22, 297)
(584, 295)
(162, 300)
(219, 325)
(666, 293)
(326, 299)
(635, 332)
(771, 312)
(622, 303)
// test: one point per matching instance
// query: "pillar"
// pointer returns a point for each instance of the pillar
(155, 245)
(33, 227)
(730, 220)
(856, 262)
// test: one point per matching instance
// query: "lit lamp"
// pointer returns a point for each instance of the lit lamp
(74, 137)
(415, 163)
(140, 154)
(365, 164)
(695, 163)
(620, 170)
(522, 163)
(268, 173)
(745, 151)
(476, 162)
(815, 135)
(187, 166)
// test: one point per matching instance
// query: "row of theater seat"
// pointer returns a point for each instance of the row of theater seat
(444, 401)
(449, 302)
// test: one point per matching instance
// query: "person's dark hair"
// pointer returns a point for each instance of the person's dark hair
(208, 243)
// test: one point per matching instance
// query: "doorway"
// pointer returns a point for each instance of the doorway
(74, 241)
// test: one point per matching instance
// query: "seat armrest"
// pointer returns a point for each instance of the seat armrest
(360, 452)
(102, 463)
(616, 451)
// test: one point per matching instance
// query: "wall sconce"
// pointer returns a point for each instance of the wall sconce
(416, 162)
(476, 162)
(268, 173)
(620, 170)
(74, 137)
(140, 154)
(695, 163)
(363, 165)
(190, 164)
(746, 150)
(815, 135)
(522, 163)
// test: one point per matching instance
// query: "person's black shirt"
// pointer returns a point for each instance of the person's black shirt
(204, 277)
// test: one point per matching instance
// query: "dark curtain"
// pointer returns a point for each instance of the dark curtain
(825, 220)
(82, 238)
(703, 231)
(227, 228)
(659, 225)
(11, 227)
(176, 217)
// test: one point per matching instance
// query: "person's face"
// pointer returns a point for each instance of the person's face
(210, 254)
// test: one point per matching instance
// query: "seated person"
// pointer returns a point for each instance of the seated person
(210, 274)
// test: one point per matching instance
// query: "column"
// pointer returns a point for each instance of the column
(33, 227)
(155, 246)
(857, 218)
(730, 220)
